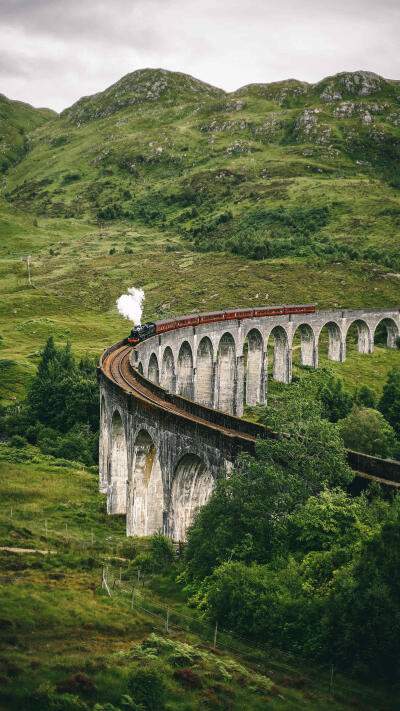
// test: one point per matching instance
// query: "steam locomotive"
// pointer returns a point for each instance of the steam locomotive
(140, 333)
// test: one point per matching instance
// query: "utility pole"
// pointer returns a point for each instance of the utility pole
(28, 263)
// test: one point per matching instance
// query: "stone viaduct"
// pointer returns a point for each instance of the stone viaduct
(170, 408)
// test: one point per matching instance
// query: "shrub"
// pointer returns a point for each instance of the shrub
(188, 678)
(128, 549)
(366, 430)
(44, 698)
(365, 397)
(76, 683)
(143, 562)
(17, 441)
(147, 688)
(70, 178)
(161, 550)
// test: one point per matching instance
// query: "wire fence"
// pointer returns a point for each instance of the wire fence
(132, 587)
(128, 586)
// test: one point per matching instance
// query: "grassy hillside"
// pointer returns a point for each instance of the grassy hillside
(17, 120)
(228, 170)
(58, 623)
(279, 193)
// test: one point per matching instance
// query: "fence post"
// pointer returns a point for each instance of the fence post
(215, 634)
(66, 532)
(166, 621)
(104, 583)
(11, 514)
(120, 573)
(91, 536)
(45, 527)
(133, 594)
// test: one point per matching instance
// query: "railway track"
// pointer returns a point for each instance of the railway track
(116, 367)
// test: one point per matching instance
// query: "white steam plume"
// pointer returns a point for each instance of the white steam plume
(130, 305)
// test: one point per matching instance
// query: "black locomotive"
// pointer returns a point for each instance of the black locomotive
(139, 333)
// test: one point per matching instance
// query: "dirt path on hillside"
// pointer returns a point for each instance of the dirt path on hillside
(25, 550)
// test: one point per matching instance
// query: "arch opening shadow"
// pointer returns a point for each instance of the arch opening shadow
(192, 487)
(281, 369)
(146, 491)
(204, 372)
(117, 467)
(330, 341)
(140, 368)
(386, 333)
(226, 368)
(253, 350)
(303, 346)
(168, 370)
(358, 337)
(185, 386)
(153, 371)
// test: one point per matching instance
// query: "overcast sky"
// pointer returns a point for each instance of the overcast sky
(52, 52)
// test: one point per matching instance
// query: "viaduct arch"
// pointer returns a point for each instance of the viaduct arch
(170, 408)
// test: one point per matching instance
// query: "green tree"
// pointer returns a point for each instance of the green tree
(389, 403)
(248, 510)
(332, 518)
(336, 401)
(365, 397)
(362, 617)
(244, 515)
(366, 430)
(63, 394)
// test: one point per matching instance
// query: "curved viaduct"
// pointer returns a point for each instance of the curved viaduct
(170, 407)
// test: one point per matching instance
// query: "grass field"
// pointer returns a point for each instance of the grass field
(57, 621)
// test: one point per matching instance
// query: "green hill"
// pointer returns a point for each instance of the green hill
(269, 170)
(16, 121)
(285, 192)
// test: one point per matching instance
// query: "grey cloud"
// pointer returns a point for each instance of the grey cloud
(53, 51)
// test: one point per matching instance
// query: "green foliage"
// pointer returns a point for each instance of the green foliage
(389, 403)
(148, 688)
(290, 548)
(336, 401)
(333, 604)
(162, 550)
(45, 698)
(330, 518)
(365, 397)
(61, 410)
(363, 619)
(366, 430)
(17, 441)
(249, 508)
(312, 456)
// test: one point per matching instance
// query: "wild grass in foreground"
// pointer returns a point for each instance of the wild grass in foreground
(68, 645)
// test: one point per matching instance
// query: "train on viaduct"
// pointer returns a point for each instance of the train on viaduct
(171, 407)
